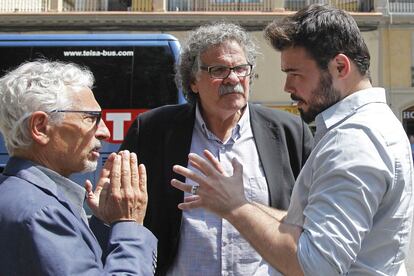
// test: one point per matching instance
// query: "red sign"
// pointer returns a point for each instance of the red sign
(118, 122)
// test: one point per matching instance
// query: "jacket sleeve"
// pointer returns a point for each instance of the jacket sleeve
(57, 243)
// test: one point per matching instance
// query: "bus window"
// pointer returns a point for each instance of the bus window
(151, 64)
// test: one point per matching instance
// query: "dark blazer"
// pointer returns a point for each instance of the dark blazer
(162, 138)
(41, 234)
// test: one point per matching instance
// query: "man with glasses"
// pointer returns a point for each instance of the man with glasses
(215, 72)
(52, 127)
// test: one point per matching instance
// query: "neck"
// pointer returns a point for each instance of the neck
(358, 85)
(222, 126)
(38, 157)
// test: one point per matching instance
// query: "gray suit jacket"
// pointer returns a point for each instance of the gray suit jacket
(40, 234)
(161, 138)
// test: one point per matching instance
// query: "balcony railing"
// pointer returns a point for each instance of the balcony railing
(391, 6)
(221, 5)
(401, 6)
(349, 5)
(24, 5)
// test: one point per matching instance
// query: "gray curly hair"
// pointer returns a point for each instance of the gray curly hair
(36, 86)
(202, 39)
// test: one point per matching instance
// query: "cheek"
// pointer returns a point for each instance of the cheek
(246, 85)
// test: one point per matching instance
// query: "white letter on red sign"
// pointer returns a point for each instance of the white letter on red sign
(118, 120)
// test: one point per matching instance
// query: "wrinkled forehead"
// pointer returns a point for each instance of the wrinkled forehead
(228, 50)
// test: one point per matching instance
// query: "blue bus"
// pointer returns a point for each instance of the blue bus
(133, 73)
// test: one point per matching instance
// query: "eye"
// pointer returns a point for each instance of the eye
(240, 69)
(293, 75)
(90, 118)
(218, 70)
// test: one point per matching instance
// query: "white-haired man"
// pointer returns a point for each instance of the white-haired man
(52, 127)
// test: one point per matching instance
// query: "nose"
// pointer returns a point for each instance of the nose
(232, 78)
(102, 132)
(289, 88)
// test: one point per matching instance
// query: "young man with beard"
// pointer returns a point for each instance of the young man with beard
(52, 127)
(215, 73)
(352, 205)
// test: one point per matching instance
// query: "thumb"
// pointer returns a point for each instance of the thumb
(237, 167)
(88, 186)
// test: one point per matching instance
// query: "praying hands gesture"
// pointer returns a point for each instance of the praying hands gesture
(121, 192)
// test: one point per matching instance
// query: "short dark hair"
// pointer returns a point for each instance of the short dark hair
(324, 32)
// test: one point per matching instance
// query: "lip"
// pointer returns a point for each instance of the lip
(231, 93)
(95, 152)
(298, 102)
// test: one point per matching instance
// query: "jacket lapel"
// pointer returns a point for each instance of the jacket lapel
(268, 143)
(179, 139)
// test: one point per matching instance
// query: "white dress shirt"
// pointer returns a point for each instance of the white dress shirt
(354, 196)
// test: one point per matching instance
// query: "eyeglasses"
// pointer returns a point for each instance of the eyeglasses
(222, 72)
(94, 116)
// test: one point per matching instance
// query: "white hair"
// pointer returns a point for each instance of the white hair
(36, 86)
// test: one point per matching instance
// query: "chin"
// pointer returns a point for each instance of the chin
(90, 166)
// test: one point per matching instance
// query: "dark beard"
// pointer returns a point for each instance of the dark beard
(324, 96)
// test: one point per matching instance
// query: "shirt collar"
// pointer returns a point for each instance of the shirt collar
(73, 192)
(346, 108)
(241, 127)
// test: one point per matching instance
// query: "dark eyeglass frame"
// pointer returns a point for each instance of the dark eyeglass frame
(210, 68)
(96, 114)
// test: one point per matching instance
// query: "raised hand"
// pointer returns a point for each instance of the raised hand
(124, 197)
(218, 193)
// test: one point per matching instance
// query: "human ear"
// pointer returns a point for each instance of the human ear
(341, 65)
(194, 87)
(38, 127)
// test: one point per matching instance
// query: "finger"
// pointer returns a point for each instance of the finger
(190, 205)
(103, 199)
(181, 186)
(106, 170)
(91, 199)
(88, 187)
(237, 167)
(216, 164)
(126, 170)
(201, 164)
(142, 178)
(191, 198)
(105, 173)
(116, 174)
(103, 195)
(134, 171)
(187, 173)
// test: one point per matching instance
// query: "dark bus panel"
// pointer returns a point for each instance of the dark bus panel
(133, 73)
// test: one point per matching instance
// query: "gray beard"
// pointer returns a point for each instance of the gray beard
(90, 166)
